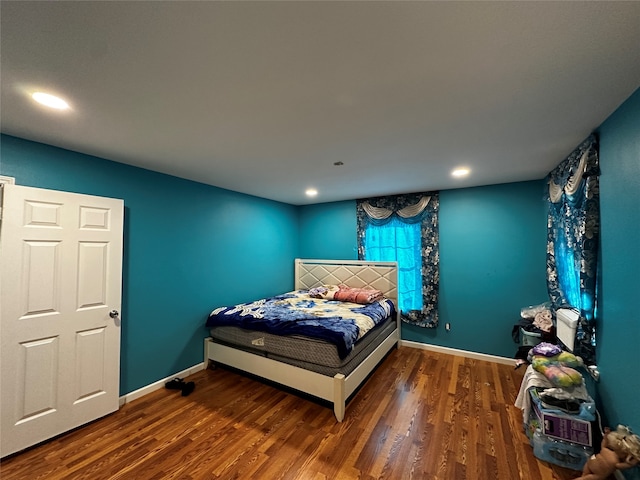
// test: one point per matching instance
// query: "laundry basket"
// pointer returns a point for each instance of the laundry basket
(529, 339)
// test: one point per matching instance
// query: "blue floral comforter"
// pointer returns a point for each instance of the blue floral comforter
(296, 313)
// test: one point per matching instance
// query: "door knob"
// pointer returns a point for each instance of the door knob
(114, 313)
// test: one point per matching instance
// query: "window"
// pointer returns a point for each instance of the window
(399, 242)
(404, 228)
(573, 231)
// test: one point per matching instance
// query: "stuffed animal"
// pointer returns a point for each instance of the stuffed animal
(619, 450)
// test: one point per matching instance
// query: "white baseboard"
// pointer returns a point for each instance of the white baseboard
(460, 353)
(405, 343)
(159, 384)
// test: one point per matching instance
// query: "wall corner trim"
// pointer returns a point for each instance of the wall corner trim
(461, 353)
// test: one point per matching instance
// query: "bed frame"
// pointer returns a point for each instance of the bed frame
(312, 273)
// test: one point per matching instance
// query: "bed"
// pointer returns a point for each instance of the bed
(315, 366)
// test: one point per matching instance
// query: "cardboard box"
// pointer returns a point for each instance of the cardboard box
(559, 425)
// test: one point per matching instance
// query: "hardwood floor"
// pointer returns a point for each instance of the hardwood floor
(422, 415)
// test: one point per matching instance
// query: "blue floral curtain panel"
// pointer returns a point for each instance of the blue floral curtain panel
(573, 232)
(404, 228)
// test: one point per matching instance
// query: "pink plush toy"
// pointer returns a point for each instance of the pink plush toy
(619, 450)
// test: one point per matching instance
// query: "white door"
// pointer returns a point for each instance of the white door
(61, 276)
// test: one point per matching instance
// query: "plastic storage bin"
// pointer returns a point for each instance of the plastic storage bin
(529, 338)
(565, 454)
(567, 320)
(576, 429)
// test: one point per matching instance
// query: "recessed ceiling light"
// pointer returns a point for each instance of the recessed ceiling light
(460, 172)
(311, 192)
(50, 101)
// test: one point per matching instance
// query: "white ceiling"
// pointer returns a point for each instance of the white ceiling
(263, 97)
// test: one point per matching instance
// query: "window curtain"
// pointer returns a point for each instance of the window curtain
(406, 231)
(573, 232)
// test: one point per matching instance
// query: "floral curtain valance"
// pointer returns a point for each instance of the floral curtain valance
(415, 208)
(410, 213)
(567, 179)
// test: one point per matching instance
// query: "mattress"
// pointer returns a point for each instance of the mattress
(312, 354)
(298, 313)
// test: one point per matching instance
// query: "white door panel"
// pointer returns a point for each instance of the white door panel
(41, 272)
(61, 275)
(37, 365)
(92, 274)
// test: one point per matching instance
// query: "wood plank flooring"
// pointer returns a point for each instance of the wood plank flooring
(422, 415)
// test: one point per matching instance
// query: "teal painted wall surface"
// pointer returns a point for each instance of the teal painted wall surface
(492, 260)
(188, 248)
(619, 313)
(492, 263)
(328, 230)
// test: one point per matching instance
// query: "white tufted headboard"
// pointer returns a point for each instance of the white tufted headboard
(381, 276)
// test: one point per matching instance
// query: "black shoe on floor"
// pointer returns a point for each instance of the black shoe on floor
(175, 384)
(188, 388)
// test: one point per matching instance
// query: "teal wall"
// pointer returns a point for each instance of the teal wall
(492, 263)
(328, 230)
(188, 248)
(492, 260)
(619, 313)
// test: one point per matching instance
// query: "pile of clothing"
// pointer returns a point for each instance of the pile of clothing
(560, 386)
(568, 392)
(538, 320)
